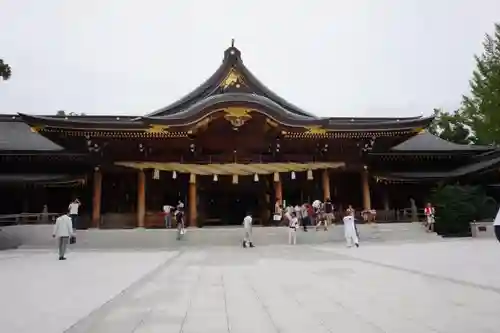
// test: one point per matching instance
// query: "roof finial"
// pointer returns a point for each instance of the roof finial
(232, 42)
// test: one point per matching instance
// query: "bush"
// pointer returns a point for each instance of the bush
(457, 206)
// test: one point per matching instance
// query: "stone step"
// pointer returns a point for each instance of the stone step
(40, 236)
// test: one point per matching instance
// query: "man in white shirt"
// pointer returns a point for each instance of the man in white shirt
(351, 236)
(167, 211)
(63, 230)
(496, 225)
(247, 227)
(73, 208)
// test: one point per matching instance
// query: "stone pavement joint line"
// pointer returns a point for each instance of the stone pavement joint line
(192, 293)
(83, 324)
(389, 288)
(225, 303)
(264, 307)
(419, 272)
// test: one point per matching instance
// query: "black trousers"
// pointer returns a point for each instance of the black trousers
(305, 222)
(497, 232)
(74, 220)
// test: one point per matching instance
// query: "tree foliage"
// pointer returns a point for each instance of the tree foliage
(451, 127)
(481, 108)
(5, 70)
(478, 118)
(63, 113)
(457, 206)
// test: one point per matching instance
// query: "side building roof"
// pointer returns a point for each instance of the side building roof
(427, 142)
(17, 136)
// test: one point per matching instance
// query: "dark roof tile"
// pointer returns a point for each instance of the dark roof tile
(426, 141)
(17, 136)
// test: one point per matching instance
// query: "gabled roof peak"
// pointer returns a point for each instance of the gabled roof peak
(232, 55)
(230, 72)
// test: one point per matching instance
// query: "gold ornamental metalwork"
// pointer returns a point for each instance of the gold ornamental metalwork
(271, 123)
(157, 129)
(237, 116)
(233, 78)
(201, 125)
(36, 129)
(316, 130)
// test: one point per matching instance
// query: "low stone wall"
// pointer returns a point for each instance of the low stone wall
(8, 241)
(40, 236)
(482, 230)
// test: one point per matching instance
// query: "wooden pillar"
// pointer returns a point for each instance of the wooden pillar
(367, 202)
(192, 201)
(141, 199)
(278, 191)
(96, 198)
(326, 184)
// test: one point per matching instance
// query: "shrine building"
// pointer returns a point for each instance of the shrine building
(229, 147)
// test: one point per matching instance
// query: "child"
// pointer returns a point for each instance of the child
(292, 229)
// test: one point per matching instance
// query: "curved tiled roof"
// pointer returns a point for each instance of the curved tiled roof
(17, 136)
(426, 141)
(81, 122)
(211, 104)
(471, 168)
(232, 59)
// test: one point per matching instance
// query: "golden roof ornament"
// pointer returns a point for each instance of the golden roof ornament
(157, 128)
(233, 78)
(316, 130)
(237, 116)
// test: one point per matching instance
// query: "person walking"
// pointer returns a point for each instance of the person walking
(329, 215)
(304, 214)
(179, 219)
(350, 232)
(63, 230)
(429, 212)
(292, 229)
(247, 227)
(73, 208)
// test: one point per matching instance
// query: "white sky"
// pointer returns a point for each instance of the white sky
(332, 58)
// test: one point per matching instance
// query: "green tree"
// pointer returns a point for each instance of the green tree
(481, 108)
(451, 127)
(5, 70)
(63, 113)
(457, 206)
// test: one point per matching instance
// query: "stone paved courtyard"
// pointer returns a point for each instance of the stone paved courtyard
(446, 286)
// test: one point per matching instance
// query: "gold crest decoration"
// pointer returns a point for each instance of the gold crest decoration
(233, 78)
(237, 116)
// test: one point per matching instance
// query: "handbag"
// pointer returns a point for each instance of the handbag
(72, 240)
(277, 217)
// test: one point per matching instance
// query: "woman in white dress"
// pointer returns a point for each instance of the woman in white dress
(350, 233)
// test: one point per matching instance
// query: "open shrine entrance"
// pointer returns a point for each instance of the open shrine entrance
(228, 199)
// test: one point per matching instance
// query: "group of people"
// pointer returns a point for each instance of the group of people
(317, 214)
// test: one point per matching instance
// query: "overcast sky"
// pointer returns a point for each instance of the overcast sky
(330, 57)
